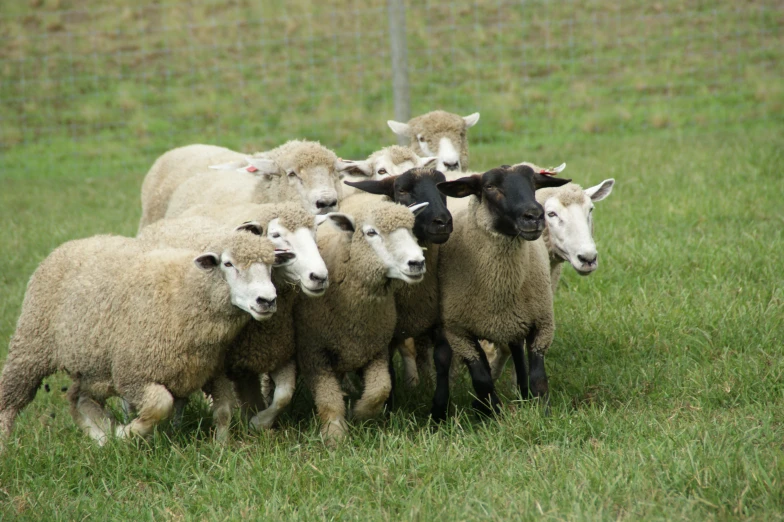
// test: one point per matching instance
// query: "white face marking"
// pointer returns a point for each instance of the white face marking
(571, 233)
(399, 252)
(317, 187)
(251, 289)
(447, 156)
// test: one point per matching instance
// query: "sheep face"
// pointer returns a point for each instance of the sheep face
(507, 199)
(440, 134)
(434, 223)
(308, 269)
(318, 187)
(398, 251)
(249, 280)
(570, 224)
(389, 161)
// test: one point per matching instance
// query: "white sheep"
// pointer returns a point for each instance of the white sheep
(147, 325)
(350, 328)
(494, 277)
(389, 161)
(303, 171)
(266, 347)
(441, 134)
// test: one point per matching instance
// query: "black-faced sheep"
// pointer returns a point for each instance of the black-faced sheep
(494, 278)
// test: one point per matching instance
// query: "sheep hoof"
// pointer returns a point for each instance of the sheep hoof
(334, 432)
(412, 381)
(261, 422)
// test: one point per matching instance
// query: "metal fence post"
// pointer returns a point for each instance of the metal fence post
(399, 52)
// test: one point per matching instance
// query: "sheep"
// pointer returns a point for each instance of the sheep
(266, 347)
(389, 161)
(568, 235)
(439, 133)
(298, 170)
(494, 282)
(149, 325)
(350, 327)
(416, 305)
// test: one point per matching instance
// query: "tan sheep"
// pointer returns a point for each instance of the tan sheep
(439, 133)
(124, 320)
(350, 328)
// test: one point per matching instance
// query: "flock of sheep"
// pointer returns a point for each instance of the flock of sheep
(248, 271)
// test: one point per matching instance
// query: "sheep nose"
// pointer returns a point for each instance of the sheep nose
(416, 266)
(326, 203)
(266, 304)
(452, 166)
(587, 259)
(317, 278)
(533, 214)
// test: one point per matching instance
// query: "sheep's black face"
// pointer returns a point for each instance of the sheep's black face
(434, 223)
(508, 193)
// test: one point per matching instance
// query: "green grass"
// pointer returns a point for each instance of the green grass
(666, 373)
(667, 366)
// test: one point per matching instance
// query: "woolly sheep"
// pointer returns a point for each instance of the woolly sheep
(495, 282)
(417, 305)
(303, 171)
(349, 328)
(568, 235)
(269, 347)
(389, 161)
(147, 325)
(439, 133)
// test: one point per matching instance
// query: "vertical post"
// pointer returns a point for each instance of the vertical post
(399, 51)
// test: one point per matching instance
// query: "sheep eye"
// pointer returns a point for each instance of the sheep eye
(228, 264)
(381, 172)
(590, 210)
(552, 214)
(275, 235)
(490, 187)
(371, 233)
(292, 174)
(421, 138)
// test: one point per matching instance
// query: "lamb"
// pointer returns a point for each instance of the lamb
(149, 325)
(389, 161)
(507, 297)
(439, 133)
(417, 305)
(568, 236)
(266, 347)
(350, 327)
(298, 170)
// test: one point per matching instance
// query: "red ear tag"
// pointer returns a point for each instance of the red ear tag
(547, 173)
(251, 168)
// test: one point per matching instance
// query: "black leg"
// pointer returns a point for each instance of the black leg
(442, 359)
(486, 401)
(540, 389)
(519, 363)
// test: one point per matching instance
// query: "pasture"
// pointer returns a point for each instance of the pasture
(667, 369)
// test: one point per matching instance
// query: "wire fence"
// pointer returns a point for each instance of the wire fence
(124, 82)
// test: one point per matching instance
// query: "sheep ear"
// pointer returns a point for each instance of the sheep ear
(542, 181)
(356, 168)
(417, 208)
(428, 162)
(207, 261)
(340, 220)
(263, 167)
(401, 129)
(471, 119)
(251, 226)
(284, 257)
(600, 191)
(384, 186)
(462, 187)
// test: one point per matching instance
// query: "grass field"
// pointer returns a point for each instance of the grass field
(667, 369)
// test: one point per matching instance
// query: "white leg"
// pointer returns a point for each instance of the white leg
(285, 379)
(156, 405)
